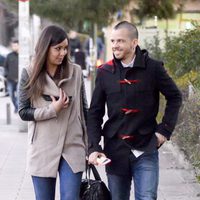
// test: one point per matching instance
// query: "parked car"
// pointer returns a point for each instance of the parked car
(3, 53)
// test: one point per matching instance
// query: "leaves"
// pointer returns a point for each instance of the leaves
(188, 130)
(75, 13)
(182, 52)
(162, 9)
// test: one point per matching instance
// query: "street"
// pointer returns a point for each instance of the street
(177, 179)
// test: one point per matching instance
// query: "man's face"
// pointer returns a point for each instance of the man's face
(15, 46)
(123, 46)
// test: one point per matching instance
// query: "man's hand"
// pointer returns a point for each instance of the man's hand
(93, 157)
(161, 139)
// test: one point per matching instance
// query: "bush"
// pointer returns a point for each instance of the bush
(181, 58)
(182, 52)
(154, 48)
(188, 130)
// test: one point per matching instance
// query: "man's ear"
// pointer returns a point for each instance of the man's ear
(135, 43)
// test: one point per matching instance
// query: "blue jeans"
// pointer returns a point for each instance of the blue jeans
(145, 174)
(12, 91)
(69, 184)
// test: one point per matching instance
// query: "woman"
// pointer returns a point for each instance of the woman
(52, 98)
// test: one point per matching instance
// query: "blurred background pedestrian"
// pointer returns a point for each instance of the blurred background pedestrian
(11, 72)
(74, 43)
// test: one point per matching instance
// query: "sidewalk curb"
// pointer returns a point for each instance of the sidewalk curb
(179, 155)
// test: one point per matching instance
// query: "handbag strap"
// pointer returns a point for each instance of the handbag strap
(95, 172)
(89, 168)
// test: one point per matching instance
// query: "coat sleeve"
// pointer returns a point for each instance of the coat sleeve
(6, 66)
(84, 99)
(84, 111)
(95, 115)
(173, 97)
(26, 111)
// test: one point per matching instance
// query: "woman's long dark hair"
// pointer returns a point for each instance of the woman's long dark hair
(50, 36)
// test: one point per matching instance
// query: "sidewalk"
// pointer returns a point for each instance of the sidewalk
(177, 180)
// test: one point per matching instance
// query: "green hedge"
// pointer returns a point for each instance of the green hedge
(182, 59)
(188, 130)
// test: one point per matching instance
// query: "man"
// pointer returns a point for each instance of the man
(130, 85)
(11, 73)
(79, 58)
(74, 43)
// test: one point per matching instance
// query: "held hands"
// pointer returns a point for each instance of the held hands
(62, 102)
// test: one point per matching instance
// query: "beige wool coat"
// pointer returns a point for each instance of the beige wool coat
(52, 135)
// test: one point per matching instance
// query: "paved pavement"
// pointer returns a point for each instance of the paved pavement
(177, 179)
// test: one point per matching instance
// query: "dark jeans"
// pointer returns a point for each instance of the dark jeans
(12, 91)
(145, 172)
(69, 184)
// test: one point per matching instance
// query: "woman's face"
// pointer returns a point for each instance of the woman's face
(57, 53)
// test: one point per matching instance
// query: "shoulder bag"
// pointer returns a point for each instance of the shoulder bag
(93, 189)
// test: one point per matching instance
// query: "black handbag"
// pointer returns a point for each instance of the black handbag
(93, 189)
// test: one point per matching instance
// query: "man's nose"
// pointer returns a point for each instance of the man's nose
(115, 44)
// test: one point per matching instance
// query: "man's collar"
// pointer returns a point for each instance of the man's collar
(129, 64)
(139, 61)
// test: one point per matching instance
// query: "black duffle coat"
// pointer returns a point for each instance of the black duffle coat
(136, 89)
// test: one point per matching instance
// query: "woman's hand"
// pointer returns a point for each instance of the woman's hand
(61, 103)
